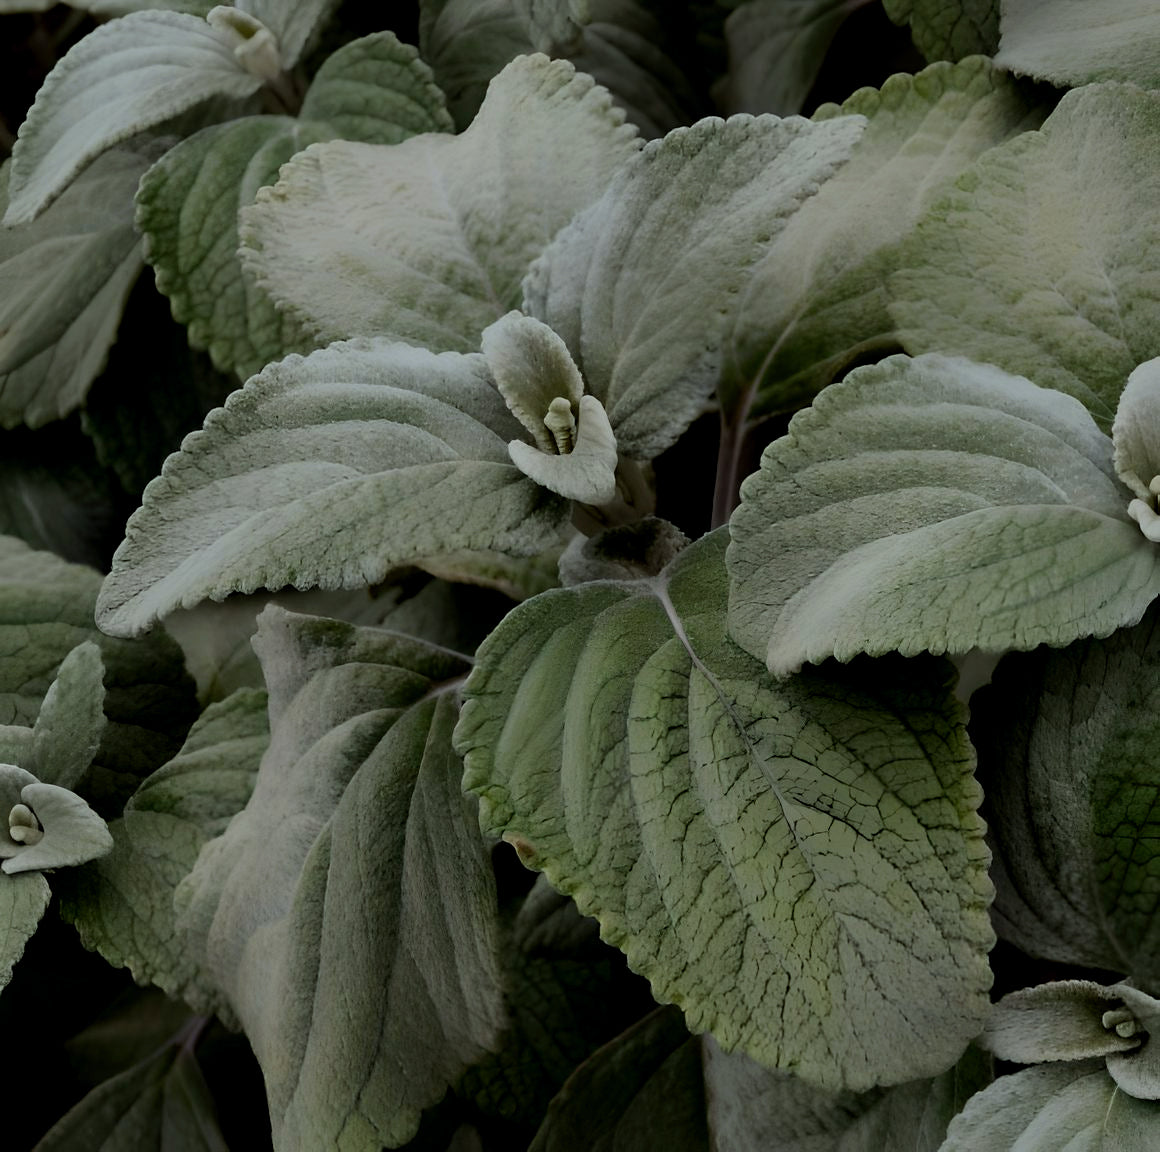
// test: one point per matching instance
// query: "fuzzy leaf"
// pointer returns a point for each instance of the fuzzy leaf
(1066, 741)
(1075, 1106)
(348, 913)
(1136, 430)
(949, 29)
(1045, 257)
(162, 1102)
(122, 905)
(427, 241)
(73, 832)
(23, 901)
(328, 472)
(656, 773)
(294, 23)
(934, 505)
(1074, 42)
(71, 720)
(129, 75)
(818, 299)
(64, 281)
(776, 48)
(642, 284)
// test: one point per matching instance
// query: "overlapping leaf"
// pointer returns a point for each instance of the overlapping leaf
(641, 285)
(328, 472)
(934, 505)
(23, 900)
(798, 865)
(348, 914)
(122, 904)
(1066, 740)
(1043, 258)
(1074, 42)
(427, 241)
(129, 75)
(819, 298)
(64, 281)
(374, 89)
(949, 29)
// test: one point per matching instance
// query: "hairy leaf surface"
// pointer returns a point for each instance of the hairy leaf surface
(427, 241)
(949, 29)
(24, 898)
(348, 914)
(934, 505)
(1044, 257)
(328, 472)
(799, 866)
(641, 285)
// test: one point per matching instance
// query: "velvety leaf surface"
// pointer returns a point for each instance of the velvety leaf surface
(129, 75)
(348, 914)
(1073, 1106)
(799, 866)
(1066, 741)
(427, 241)
(122, 904)
(1043, 258)
(641, 285)
(46, 610)
(64, 280)
(949, 29)
(294, 24)
(1136, 431)
(71, 721)
(934, 505)
(162, 1102)
(23, 900)
(328, 472)
(819, 298)
(1074, 42)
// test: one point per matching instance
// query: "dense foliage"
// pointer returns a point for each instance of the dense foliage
(537, 442)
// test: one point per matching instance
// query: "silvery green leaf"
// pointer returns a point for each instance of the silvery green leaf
(1136, 430)
(108, 8)
(47, 610)
(162, 1102)
(949, 29)
(129, 75)
(64, 280)
(294, 23)
(329, 472)
(1066, 739)
(1074, 42)
(1043, 258)
(776, 48)
(934, 505)
(427, 241)
(122, 905)
(818, 300)
(73, 832)
(23, 901)
(348, 913)
(606, 726)
(71, 720)
(1075, 1106)
(642, 285)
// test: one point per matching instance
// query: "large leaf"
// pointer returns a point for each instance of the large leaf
(374, 89)
(46, 610)
(122, 904)
(348, 914)
(427, 241)
(799, 866)
(1074, 42)
(642, 284)
(162, 1102)
(655, 1086)
(949, 29)
(328, 472)
(934, 505)
(1076, 1106)
(64, 280)
(23, 900)
(818, 300)
(1066, 744)
(126, 76)
(1044, 257)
